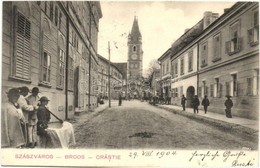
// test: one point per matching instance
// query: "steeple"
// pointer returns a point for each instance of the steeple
(135, 33)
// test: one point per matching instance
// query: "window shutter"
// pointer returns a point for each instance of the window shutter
(220, 90)
(22, 45)
(250, 34)
(227, 88)
(212, 90)
(239, 44)
(228, 47)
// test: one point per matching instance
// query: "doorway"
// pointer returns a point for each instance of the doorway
(190, 94)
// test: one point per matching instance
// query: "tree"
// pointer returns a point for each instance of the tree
(153, 65)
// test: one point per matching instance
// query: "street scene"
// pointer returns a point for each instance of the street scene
(128, 75)
(137, 124)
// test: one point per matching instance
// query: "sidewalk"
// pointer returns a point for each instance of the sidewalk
(247, 125)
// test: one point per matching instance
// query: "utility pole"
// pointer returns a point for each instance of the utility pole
(109, 96)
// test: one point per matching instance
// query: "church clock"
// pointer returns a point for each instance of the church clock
(134, 57)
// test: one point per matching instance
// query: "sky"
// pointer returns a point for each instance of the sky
(160, 23)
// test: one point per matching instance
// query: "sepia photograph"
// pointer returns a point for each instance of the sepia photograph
(130, 83)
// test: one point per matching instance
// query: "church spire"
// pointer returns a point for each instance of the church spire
(135, 32)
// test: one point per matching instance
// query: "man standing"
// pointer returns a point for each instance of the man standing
(195, 103)
(205, 104)
(33, 100)
(183, 102)
(120, 99)
(229, 105)
(27, 109)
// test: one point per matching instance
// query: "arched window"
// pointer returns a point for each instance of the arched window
(134, 48)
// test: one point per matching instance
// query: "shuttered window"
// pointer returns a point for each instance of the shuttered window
(22, 44)
(60, 77)
(46, 67)
(190, 55)
(71, 74)
(249, 86)
(216, 48)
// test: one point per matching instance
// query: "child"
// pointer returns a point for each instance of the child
(44, 117)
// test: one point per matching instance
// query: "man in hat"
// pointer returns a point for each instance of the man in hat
(195, 103)
(26, 108)
(11, 119)
(205, 103)
(183, 102)
(33, 100)
(229, 105)
(43, 119)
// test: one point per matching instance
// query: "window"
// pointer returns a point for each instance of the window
(71, 74)
(234, 45)
(216, 48)
(200, 92)
(51, 10)
(175, 90)
(249, 86)
(182, 66)
(204, 54)
(217, 88)
(204, 89)
(46, 67)
(190, 57)
(211, 90)
(256, 82)
(22, 46)
(253, 33)
(56, 16)
(60, 77)
(60, 17)
(167, 67)
(134, 48)
(172, 70)
(233, 86)
(176, 68)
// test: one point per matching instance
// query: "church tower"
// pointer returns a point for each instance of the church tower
(135, 52)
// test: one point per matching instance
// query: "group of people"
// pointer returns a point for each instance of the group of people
(205, 103)
(23, 118)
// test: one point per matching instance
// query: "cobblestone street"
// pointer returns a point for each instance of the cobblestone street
(137, 124)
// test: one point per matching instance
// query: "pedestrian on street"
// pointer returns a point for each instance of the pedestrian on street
(26, 109)
(195, 104)
(183, 102)
(120, 100)
(205, 103)
(33, 100)
(44, 117)
(11, 120)
(229, 105)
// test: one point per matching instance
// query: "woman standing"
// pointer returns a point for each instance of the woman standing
(11, 120)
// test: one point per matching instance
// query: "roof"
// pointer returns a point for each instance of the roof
(135, 29)
(122, 66)
(187, 37)
(111, 63)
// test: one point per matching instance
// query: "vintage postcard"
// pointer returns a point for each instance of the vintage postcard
(130, 83)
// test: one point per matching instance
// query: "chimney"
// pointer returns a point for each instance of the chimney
(186, 30)
(209, 18)
(225, 10)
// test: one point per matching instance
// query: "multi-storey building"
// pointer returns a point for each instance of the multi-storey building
(52, 45)
(155, 87)
(116, 79)
(165, 67)
(229, 60)
(221, 58)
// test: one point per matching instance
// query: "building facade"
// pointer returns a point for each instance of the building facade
(116, 79)
(165, 81)
(229, 60)
(47, 44)
(220, 56)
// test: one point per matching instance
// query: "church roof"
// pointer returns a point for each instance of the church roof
(135, 29)
(122, 66)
